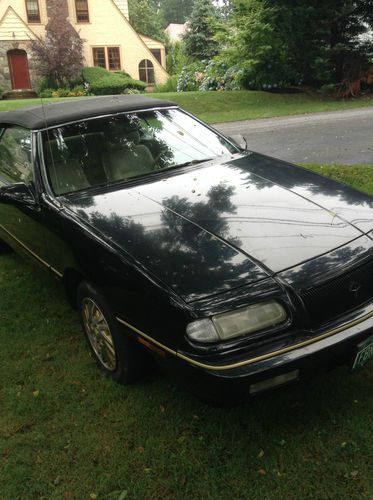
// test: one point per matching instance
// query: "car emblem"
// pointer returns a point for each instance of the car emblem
(355, 287)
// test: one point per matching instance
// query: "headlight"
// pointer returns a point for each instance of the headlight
(236, 323)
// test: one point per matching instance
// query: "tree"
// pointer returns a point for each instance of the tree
(199, 41)
(175, 11)
(226, 7)
(252, 45)
(59, 56)
(288, 42)
(324, 38)
(145, 19)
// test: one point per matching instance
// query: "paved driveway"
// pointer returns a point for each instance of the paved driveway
(344, 137)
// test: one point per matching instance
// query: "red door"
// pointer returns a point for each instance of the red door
(18, 67)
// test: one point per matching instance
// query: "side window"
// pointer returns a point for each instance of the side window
(15, 156)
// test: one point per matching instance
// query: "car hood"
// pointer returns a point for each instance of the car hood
(209, 228)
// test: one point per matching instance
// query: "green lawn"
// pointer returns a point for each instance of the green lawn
(214, 107)
(67, 432)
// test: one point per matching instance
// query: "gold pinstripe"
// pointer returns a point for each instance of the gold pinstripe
(256, 359)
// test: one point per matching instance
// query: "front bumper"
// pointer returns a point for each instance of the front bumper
(231, 381)
(335, 346)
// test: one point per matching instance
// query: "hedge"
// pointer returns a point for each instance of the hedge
(103, 82)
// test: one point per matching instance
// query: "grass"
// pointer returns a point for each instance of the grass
(67, 432)
(358, 176)
(214, 107)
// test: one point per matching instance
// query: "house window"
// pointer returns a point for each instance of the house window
(157, 54)
(107, 57)
(113, 57)
(99, 57)
(146, 71)
(33, 12)
(82, 14)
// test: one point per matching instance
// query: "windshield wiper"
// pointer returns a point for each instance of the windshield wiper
(193, 162)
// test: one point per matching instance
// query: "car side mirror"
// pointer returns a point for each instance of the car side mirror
(19, 192)
(239, 141)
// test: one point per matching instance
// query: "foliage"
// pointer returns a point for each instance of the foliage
(176, 58)
(289, 42)
(78, 91)
(175, 11)
(226, 7)
(169, 86)
(252, 45)
(144, 19)
(199, 42)
(103, 82)
(217, 76)
(1, 91)
(190, 77)
(59, 55)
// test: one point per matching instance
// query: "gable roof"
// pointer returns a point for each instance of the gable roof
(123, 7)
(151, 56)
(13, 28)
(58, 113)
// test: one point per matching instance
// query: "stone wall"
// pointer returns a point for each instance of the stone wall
(5, 80)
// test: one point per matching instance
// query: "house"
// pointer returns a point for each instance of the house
(109, 40)
(176, 31)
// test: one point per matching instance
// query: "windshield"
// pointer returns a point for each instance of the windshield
(111, 149)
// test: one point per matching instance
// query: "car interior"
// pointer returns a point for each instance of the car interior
(94, 158)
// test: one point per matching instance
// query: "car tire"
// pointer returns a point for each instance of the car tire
(118, 356)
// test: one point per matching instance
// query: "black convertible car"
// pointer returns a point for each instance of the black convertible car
(235, 271)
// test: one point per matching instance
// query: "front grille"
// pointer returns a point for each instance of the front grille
(339, 295)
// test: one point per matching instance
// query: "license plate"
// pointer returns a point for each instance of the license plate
(364, 354)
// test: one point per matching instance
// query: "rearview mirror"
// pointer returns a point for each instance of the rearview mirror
(19, 192)
(239, 141)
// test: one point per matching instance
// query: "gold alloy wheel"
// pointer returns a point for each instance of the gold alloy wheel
(99, 334)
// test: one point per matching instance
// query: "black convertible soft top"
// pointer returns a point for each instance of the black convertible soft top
(57, 113)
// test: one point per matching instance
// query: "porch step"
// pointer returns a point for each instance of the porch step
(20, 94)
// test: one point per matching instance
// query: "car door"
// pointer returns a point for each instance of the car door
(20, 213)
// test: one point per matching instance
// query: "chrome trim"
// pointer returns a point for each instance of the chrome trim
(256, 359)
(42, 261)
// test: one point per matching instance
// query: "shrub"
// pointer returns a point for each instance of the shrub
(46, 93)
(1, 91)
(44, 83)
(169, 86)
(103, 82)
(61, 93)
(77, 91)
(218, 76)
(190, 77)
